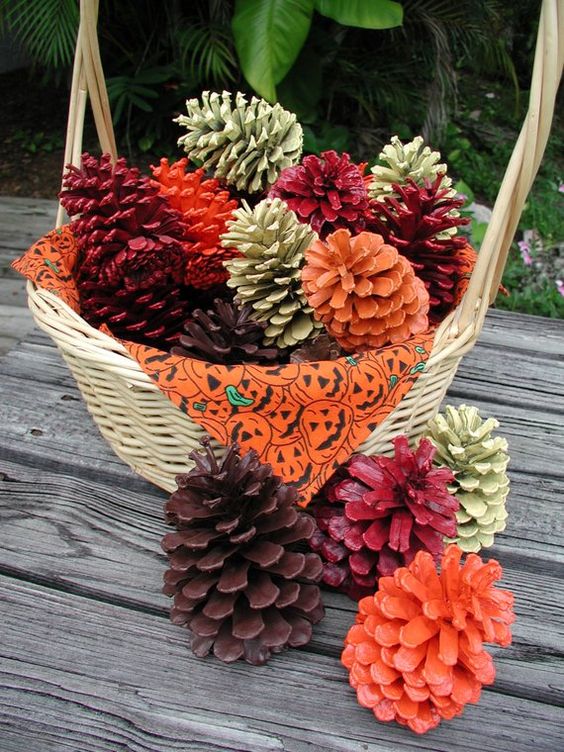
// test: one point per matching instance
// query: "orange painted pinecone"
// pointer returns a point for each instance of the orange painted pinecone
(416, 653)
(205, 208)
(363, 291)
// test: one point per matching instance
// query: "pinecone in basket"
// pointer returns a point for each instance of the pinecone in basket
(326, 192)
(246, 145)
(322, 347)
(479, 462)
(267, 276)
(226, 335)
(413, 160)
(205, 209)
(239, 584)
(132, 261)
(420, 223)
(377, 512)
(363, 291)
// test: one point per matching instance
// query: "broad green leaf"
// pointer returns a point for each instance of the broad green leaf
(335, 137)
(310, 141)
(301, 89)
(269, 35)
(365, 14)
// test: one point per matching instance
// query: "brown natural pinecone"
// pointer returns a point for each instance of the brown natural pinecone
(226, 335)
(320, 348)
(238, 583)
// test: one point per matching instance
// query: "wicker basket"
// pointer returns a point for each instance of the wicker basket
(144, 428)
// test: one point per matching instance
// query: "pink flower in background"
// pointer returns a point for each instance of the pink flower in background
(560, 286)
(525, 249)
(561, 188)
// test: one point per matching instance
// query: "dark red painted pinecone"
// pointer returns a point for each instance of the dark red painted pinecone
(226, 335)
(326, 192)
(377, 512)
(132, 262)
(415, 223)
(238, 583)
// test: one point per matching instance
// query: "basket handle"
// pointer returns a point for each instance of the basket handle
(88, 78)
(521, 170)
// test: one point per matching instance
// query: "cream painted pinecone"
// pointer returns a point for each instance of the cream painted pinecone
(412, 160)
(246, 145)
(268, 275)
(479, 462)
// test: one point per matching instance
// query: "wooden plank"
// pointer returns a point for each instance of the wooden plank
(15, 323)
(112, 678)
(91, 516)
(519, 331)
(89, 538)
(24, 220)
(12, 291)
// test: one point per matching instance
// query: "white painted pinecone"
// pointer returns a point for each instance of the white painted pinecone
(479, 462)
(247, 145)
(268, 275)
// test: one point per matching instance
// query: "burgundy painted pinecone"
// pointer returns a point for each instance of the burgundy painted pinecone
(326, 192)
(238, 583)
(131, 260)
(377, 512)
(421, 223)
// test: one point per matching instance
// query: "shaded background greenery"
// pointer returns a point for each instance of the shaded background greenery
(456, 71)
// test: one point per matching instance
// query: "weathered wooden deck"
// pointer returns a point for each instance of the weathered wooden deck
(89, 660)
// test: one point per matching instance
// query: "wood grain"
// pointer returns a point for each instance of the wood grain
(111, 678)
(23, 221)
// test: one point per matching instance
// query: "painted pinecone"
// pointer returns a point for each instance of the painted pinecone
(416, 653)
(226, 335)
(246, 145)
(419, 223)
(326, 192)
(377, 512)
(363, 291)
(479, 462)
(131, 263)
(205, 208)
(267, 276)
(413, 160)
(238, 583)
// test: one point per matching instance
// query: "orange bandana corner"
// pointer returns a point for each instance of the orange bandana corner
(305, 420)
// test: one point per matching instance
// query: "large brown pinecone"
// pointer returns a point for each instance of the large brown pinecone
(238, 583)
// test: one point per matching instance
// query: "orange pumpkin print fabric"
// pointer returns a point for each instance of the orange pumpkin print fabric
(304, 419)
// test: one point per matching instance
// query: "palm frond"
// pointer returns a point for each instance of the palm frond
(206, 51)
(45, 28)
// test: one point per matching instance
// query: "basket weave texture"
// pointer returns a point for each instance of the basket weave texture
(144, 427)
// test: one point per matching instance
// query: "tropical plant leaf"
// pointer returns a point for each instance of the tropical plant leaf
(365, 14)
(45, 28)
(269, 35)
(206, 52)
(301, 89)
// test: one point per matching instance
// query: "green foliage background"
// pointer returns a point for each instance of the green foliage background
(354, 71)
